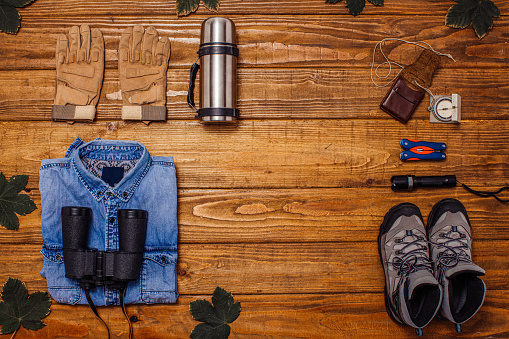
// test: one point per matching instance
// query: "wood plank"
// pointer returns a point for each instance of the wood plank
(304, 215)
(273, 316)
(288, 268)
(266, 93)
(275, 153)
(289, 41)
(234, 7)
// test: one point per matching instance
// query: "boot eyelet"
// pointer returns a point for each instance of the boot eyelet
(397, 240)
(398, 252)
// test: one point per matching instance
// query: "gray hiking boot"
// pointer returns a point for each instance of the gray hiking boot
(450, 236)
(412, 294)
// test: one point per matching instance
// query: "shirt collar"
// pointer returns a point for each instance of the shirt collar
(112, 150)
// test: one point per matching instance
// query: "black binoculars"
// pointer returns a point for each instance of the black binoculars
(97, 268)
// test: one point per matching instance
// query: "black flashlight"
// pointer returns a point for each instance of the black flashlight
(409, 182)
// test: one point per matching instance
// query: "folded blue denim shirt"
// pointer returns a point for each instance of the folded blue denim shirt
(89, 176)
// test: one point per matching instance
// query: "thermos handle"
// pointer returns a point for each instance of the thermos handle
(192, 79)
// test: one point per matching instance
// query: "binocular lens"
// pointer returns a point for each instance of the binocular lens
(132, 230)
(75, 225)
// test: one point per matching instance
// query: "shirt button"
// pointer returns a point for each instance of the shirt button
(99, 193)
(110, 193)
(125, 194)
(58, 257)
(163, 259)
(112, 220)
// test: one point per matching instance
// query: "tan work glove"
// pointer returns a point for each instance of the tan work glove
(142, 65)
(80, 69)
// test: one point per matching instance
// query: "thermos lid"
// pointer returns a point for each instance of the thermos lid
(218, 30)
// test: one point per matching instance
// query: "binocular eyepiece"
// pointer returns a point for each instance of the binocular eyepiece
(96, 268)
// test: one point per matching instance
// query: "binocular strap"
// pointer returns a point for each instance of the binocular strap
(94, 309)
(122, 306)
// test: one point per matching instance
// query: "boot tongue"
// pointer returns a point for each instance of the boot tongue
(418, 278)
(464, 267)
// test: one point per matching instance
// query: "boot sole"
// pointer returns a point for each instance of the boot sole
(389, 218)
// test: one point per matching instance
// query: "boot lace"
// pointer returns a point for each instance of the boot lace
(454, 252)
(416, 259)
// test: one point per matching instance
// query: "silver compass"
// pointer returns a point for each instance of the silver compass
(445, 108)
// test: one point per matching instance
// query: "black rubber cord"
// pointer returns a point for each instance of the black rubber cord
(94, 309)
(487, 194)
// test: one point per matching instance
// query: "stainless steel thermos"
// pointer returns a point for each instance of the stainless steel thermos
(218, 76)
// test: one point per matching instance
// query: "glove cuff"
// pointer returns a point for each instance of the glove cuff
(74, 113)
(144, 113)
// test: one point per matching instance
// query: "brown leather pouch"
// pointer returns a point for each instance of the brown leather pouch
(404, 96)
(401, 101)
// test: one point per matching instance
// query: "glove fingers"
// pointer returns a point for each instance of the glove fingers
(163, 51)
(84, 51)
(96, 46)
(62, 49)
(123, 46)
(136, 43)
(74, 43)
(148, 41)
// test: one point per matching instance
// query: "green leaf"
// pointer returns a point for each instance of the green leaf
(9, 18)
(18, 308)
(355, 6)
(332, 1)
(461, 14)
(478, 12)
(377, 2)
(215, 316)
(206, 331)
(185, 7)
(11, 202)
(18, 3)
(483, 21)
(211, 5)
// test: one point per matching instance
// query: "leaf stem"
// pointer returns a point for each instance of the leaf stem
(12, 336)
(234, 333)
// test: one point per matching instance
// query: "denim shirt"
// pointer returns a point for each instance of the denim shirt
(148, 183)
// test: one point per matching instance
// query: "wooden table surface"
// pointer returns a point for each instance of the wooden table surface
(284, 208)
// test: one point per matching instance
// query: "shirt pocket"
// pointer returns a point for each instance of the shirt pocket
(62, 289)
(159, 277)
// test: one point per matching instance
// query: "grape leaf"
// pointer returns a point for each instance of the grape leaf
(9, 16)
(211, 5)
(356, 6)
(11, 202)
(18, 3)
(185, 7)
(18, 308)
(215, 317)
(478, 12)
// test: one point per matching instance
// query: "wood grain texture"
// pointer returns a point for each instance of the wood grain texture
(267, 93)
(152, 8)
(282, 41)
(294, 215)
(272, 316)
(284, 208)
(263, 268)
(277, 153)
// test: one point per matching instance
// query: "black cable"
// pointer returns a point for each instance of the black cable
(486, 194)
(122, 305)
(94, 309)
